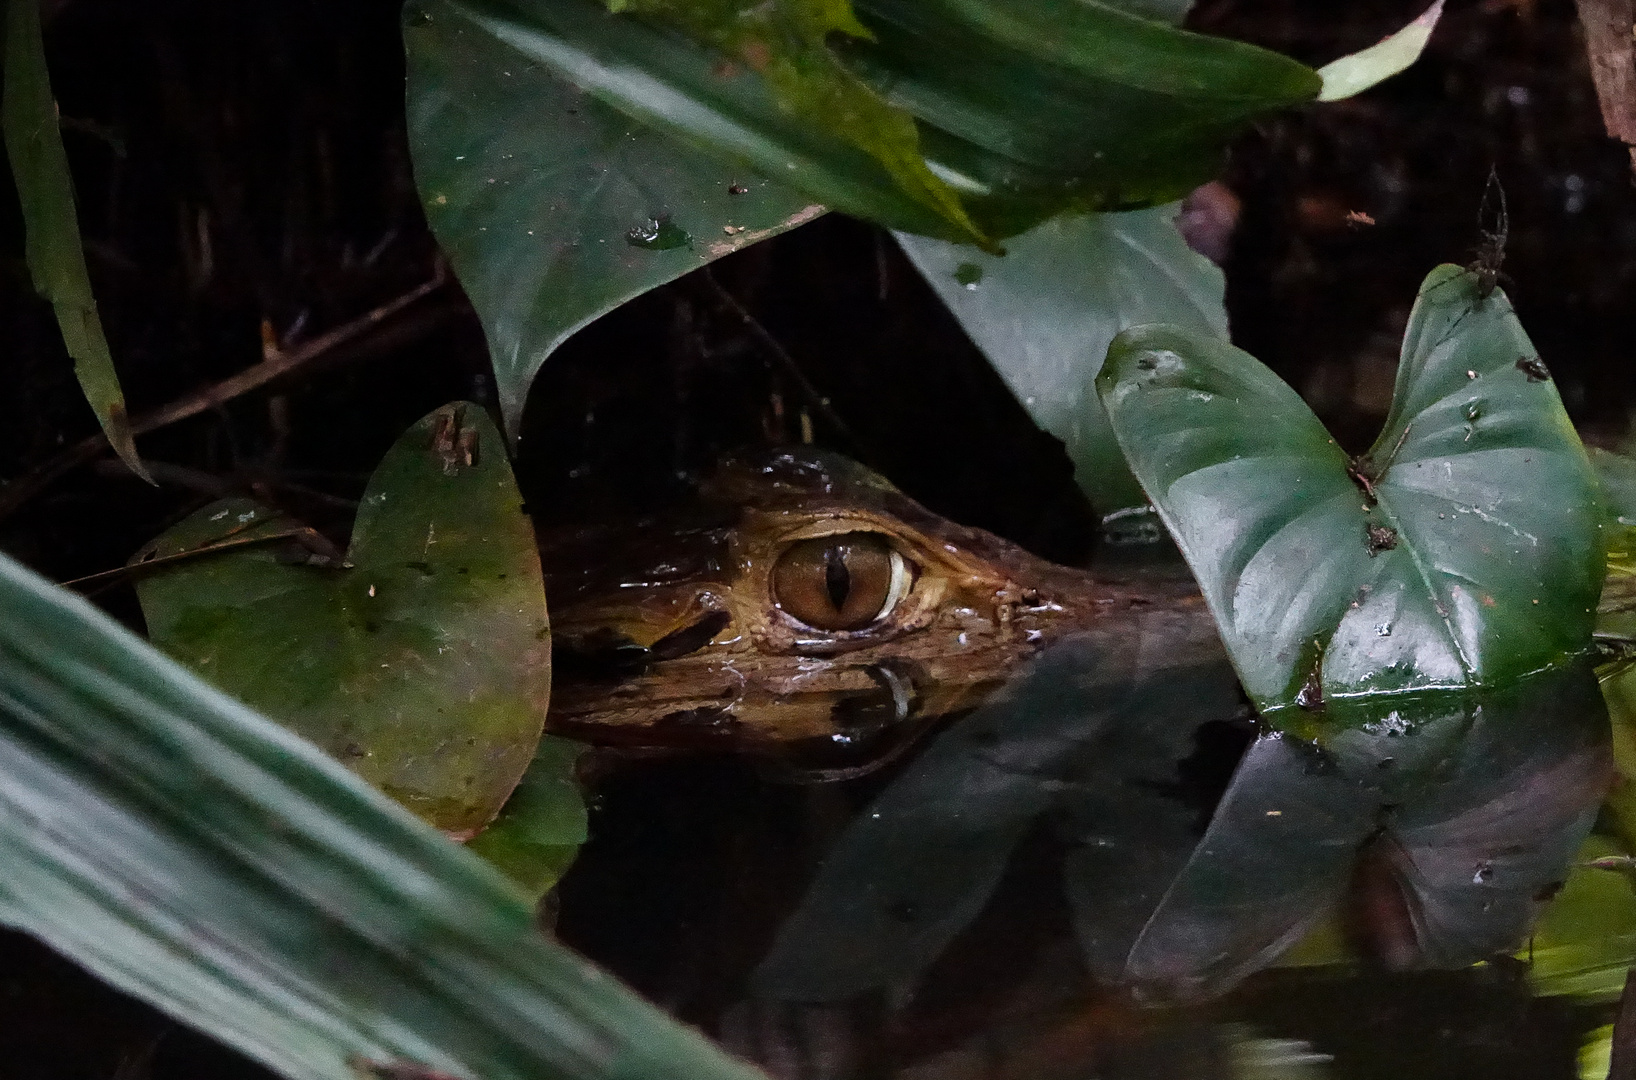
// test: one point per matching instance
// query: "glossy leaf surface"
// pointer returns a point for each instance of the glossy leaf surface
(553, 206)
(56, 258)
(547, 133)
(423, 663)
(1465, 550)
(210, 862)
(1045, 312)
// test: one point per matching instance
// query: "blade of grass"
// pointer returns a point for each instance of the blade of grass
(56, 259)
(197, 855)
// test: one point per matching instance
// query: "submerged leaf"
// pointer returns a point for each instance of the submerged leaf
(423, 663)
(1045, 312)
(215, 865)
(56, 258)
(1463, 549)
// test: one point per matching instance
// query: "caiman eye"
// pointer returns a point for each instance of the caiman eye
(842, 582)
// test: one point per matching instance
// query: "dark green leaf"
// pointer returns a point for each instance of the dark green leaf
(1045, 312)
(56, 259)
(534, 186)
(787, 43)
(1475, 557)
(212, 863)
(550, 202)
(424, 663)
(1030, 107)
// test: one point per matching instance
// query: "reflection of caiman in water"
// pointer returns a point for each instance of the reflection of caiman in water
(817, 619)
(812, 615)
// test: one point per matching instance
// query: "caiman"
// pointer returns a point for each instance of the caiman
(812, 615)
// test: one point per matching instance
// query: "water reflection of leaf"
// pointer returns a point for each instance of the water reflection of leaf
(1473, 819)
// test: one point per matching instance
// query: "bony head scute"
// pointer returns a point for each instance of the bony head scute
(842, 582)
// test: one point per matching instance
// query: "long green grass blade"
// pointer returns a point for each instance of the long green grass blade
(56, 259)
(201, 857)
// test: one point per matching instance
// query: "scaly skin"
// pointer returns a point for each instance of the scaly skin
(668, 636)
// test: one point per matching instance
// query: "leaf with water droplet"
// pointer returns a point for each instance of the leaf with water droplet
(658, 233)
(1497, 560)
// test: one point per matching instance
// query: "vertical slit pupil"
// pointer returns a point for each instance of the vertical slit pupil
(837, 578)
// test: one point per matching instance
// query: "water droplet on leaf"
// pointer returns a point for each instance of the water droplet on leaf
(658, 233)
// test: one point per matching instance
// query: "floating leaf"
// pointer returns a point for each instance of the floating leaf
(423, 662)
(1045, 312)
(1463, 549)
(56, 259)
(211, 863)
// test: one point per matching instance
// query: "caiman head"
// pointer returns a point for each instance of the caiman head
(811, 615)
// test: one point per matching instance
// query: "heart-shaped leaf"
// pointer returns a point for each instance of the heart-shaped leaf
(1045, 313)
(423, 663)
(1463, 549)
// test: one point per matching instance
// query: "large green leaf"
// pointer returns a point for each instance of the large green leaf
(212, 863)
(1045, 312)
(423, 663)
(1464, 549)
(553, 206)
(56, 260)
(569, 159)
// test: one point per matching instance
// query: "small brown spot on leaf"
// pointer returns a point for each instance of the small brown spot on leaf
(1379, 538)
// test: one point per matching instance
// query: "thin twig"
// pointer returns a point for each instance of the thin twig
(307, 536)
(276, 365)
(782, 355)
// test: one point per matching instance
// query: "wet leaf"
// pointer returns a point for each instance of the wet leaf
(787, 44)
(56, 259)
(1462, 550)
(542, 194)
(1357, 72)
(547, 134)
(210, 862)
(423, 662)
(1045, 312)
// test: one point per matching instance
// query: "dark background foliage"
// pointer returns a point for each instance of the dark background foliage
(242, 163)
